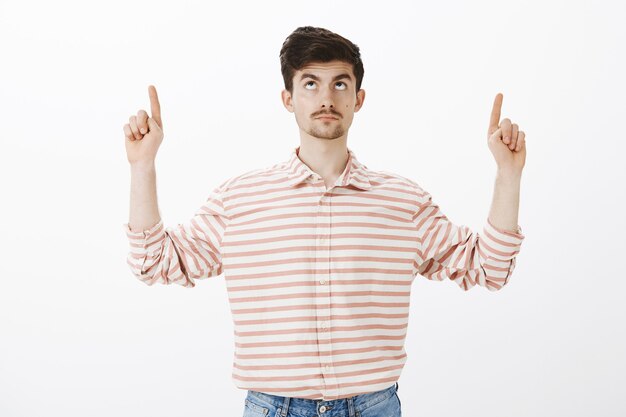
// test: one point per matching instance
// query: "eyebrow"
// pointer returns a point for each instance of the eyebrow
(316, 78)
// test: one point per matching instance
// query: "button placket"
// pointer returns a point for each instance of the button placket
(322, 254)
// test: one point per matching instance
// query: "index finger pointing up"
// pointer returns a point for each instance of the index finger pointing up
(155, 107)
(495, 113)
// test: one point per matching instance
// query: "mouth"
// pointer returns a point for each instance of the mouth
(327, 118)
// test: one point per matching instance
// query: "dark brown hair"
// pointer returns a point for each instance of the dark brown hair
(310, 44)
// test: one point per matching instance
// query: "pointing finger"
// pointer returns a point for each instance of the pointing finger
(155, 106)
(495, 113)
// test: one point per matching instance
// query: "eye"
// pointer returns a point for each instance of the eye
(344, 86)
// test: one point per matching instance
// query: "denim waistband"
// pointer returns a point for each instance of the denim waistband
(360, 402)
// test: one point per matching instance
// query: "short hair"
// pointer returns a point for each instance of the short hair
(309, 44)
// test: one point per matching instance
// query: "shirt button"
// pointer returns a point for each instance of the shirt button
(322, 282)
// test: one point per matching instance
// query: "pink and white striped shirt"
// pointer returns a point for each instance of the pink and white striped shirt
(318, 279)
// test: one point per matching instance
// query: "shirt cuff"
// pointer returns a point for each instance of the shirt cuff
(500, 244)
(506, 235)
(145, 234)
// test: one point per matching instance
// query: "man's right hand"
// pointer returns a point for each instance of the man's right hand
(144, 134)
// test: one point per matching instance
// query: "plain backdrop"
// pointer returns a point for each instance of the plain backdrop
(81, 336)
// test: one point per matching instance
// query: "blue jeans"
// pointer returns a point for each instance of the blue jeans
(383, 403)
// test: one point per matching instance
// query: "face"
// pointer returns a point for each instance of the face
(324, 99)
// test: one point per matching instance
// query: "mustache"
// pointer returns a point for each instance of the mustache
(330, 113)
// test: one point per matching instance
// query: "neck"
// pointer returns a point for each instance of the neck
(327, 158)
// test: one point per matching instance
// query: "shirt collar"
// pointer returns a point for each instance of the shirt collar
(354, 173)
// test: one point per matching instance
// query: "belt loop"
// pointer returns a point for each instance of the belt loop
(351, 412)
(285, 407)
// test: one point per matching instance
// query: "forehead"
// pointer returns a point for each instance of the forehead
(326, 69)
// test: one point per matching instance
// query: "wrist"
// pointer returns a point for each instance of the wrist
(143, 167)
(508, 174)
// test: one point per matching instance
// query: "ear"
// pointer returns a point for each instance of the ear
(287, 100)
(360, 97)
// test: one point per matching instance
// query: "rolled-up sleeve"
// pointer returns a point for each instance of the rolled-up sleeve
(455, 252)
(183, 253)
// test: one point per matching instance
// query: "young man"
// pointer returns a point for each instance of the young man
(318, 251)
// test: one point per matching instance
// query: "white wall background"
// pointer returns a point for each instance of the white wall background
(80, 336)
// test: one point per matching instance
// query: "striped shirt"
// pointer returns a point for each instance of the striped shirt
(318, 279)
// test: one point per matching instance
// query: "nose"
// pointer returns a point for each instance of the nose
(327, 100)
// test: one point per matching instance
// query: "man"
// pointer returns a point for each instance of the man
(319, 252)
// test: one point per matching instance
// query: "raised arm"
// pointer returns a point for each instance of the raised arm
(446, 250)
(178, 254)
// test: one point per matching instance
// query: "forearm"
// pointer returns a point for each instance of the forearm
(144, 209)
(505, 203)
